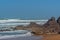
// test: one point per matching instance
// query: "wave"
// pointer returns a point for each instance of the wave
(18, 20)
(17, 35)
(13, 36)
(18, 31)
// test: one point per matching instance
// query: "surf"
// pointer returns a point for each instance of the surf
(19, 33)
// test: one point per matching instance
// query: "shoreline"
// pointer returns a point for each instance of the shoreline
(25, 38)
(50, 36)
(37, 37)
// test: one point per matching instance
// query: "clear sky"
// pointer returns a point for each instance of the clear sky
(29, 9)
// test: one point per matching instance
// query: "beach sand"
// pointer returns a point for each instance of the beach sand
(51, 37)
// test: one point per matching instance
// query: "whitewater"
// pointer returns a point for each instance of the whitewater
(14, 34)
(13, 23)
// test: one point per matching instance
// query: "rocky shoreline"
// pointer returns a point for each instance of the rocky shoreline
(52, 26)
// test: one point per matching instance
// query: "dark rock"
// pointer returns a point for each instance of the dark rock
(33, 24)
(58, 32)
(50, 22)
(19, 27)
(58, 20)
(36, 28)
(51, 25)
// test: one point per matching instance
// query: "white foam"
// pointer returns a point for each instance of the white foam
(16, 31)
(14, 36)
(17, 20)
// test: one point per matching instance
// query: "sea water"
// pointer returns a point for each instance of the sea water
(23, 34)
(13, 34)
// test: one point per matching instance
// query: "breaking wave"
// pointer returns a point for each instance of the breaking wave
(13, 34)
(17, 33)
(15, 22)
(18, 20)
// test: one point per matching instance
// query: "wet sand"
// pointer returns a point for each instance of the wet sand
(41, 37)
(25, 38)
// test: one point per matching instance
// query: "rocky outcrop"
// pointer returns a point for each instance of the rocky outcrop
(19, 27)
(50, 27)
(58, 20)
(37, 29)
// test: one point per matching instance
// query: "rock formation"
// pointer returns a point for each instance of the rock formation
(19, 27)
(50, 27)
(37, 29)
(58, 20)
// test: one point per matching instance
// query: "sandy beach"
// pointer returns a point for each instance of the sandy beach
(52, 37)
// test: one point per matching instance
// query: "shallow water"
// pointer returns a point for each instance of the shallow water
(13, 34)
(25, 38)
(19, 35)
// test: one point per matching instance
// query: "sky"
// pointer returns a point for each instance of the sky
(29, 9)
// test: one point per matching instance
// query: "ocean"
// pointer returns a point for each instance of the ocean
(17, 34)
